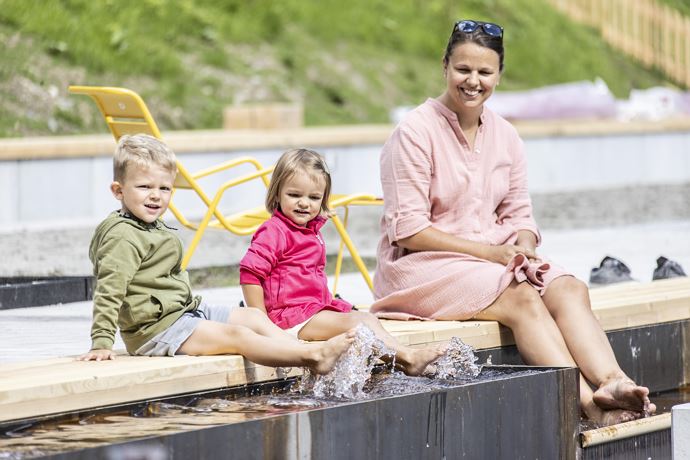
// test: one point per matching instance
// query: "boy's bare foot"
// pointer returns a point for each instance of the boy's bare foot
(325, 354)
(414, 361)
(623, 393)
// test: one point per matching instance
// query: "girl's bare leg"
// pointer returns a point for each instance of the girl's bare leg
(329, 323)
(259, 322)
(213, 338)
(540, 342)
(567, 300)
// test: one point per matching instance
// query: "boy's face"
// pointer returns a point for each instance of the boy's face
(301, 197)
(145, 192)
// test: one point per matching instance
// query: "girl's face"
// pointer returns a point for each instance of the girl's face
(471, 74)
(300, 197)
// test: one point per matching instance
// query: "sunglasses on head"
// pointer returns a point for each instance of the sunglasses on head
(467, 26)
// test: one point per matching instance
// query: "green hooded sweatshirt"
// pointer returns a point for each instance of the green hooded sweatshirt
(140, 286)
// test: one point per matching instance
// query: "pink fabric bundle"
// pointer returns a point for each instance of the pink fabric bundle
(533, 272)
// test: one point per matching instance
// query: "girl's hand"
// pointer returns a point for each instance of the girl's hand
(504, 253)
(97, 355)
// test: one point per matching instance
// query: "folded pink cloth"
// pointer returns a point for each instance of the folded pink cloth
(532, 272)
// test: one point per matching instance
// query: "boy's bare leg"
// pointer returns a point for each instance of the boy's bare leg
(328, 323)
(567, 300)
(259, 322)
(213, 338)
(540, 342)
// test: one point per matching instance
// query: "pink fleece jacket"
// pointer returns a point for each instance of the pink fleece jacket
(288, 262)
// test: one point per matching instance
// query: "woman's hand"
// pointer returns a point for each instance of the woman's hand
(504, 253)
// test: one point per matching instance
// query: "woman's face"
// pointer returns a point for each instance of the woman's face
(472, 73)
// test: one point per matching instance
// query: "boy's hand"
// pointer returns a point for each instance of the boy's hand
(97, 355)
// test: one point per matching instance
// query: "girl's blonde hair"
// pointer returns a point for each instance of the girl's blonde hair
(141, 150)
(291, 162)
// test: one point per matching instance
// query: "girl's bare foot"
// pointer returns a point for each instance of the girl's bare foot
(414, 361)
(324, 355)
(623, 393)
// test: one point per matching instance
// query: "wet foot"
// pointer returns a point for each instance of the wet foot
(414, 361)
(614, 416)
(326, 354)
(624, 394)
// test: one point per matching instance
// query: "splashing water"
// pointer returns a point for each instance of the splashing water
(351, 371)
(458, 362)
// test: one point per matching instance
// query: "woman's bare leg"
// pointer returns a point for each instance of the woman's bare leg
(567, 300)
(213, 338)
(540, 342)
(328, 323)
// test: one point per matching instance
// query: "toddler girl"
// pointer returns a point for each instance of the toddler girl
(283, 270)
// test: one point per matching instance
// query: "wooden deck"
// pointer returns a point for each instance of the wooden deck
(62, 384)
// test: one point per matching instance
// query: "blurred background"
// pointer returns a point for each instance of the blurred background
(597, 89)
(346, 62)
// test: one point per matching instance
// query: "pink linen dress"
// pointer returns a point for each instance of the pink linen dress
(430, 176)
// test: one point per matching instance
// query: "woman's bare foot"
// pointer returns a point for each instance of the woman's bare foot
(622, 393)
(615, 416)
(414, 361)
(606, 417)
(325, 354)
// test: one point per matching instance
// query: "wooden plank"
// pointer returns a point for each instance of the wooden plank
(72, 385)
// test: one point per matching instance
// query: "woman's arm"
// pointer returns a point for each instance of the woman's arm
(432, 239)
(516, 207)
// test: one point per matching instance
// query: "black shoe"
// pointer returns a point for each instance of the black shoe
(667, 269)
(610, 270)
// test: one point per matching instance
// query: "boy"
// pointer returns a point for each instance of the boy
(141, 287)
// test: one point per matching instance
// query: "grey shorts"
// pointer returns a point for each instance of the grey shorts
(169, 341)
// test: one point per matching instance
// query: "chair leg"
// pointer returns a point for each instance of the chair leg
(199, 232)
(353, 251)
(339, 258)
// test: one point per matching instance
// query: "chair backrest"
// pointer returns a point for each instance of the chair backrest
(125, 112)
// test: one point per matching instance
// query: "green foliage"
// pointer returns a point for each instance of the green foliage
(683, 6)
(348, 62)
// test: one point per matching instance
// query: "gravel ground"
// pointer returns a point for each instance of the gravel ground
(62, 248)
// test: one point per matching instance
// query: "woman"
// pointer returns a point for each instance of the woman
(459, 240)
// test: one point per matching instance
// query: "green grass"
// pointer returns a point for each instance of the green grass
(349, 62)
(683, 6)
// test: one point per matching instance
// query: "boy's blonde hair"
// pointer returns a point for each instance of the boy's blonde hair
(290, 162)
(141, 150)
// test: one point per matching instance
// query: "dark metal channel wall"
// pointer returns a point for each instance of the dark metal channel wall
(656, 445)
(655, 356)
(28, 292)
(520, 417)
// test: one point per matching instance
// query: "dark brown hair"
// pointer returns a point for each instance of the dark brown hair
(478, 37)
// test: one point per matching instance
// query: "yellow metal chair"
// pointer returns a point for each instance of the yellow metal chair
(126, 113)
